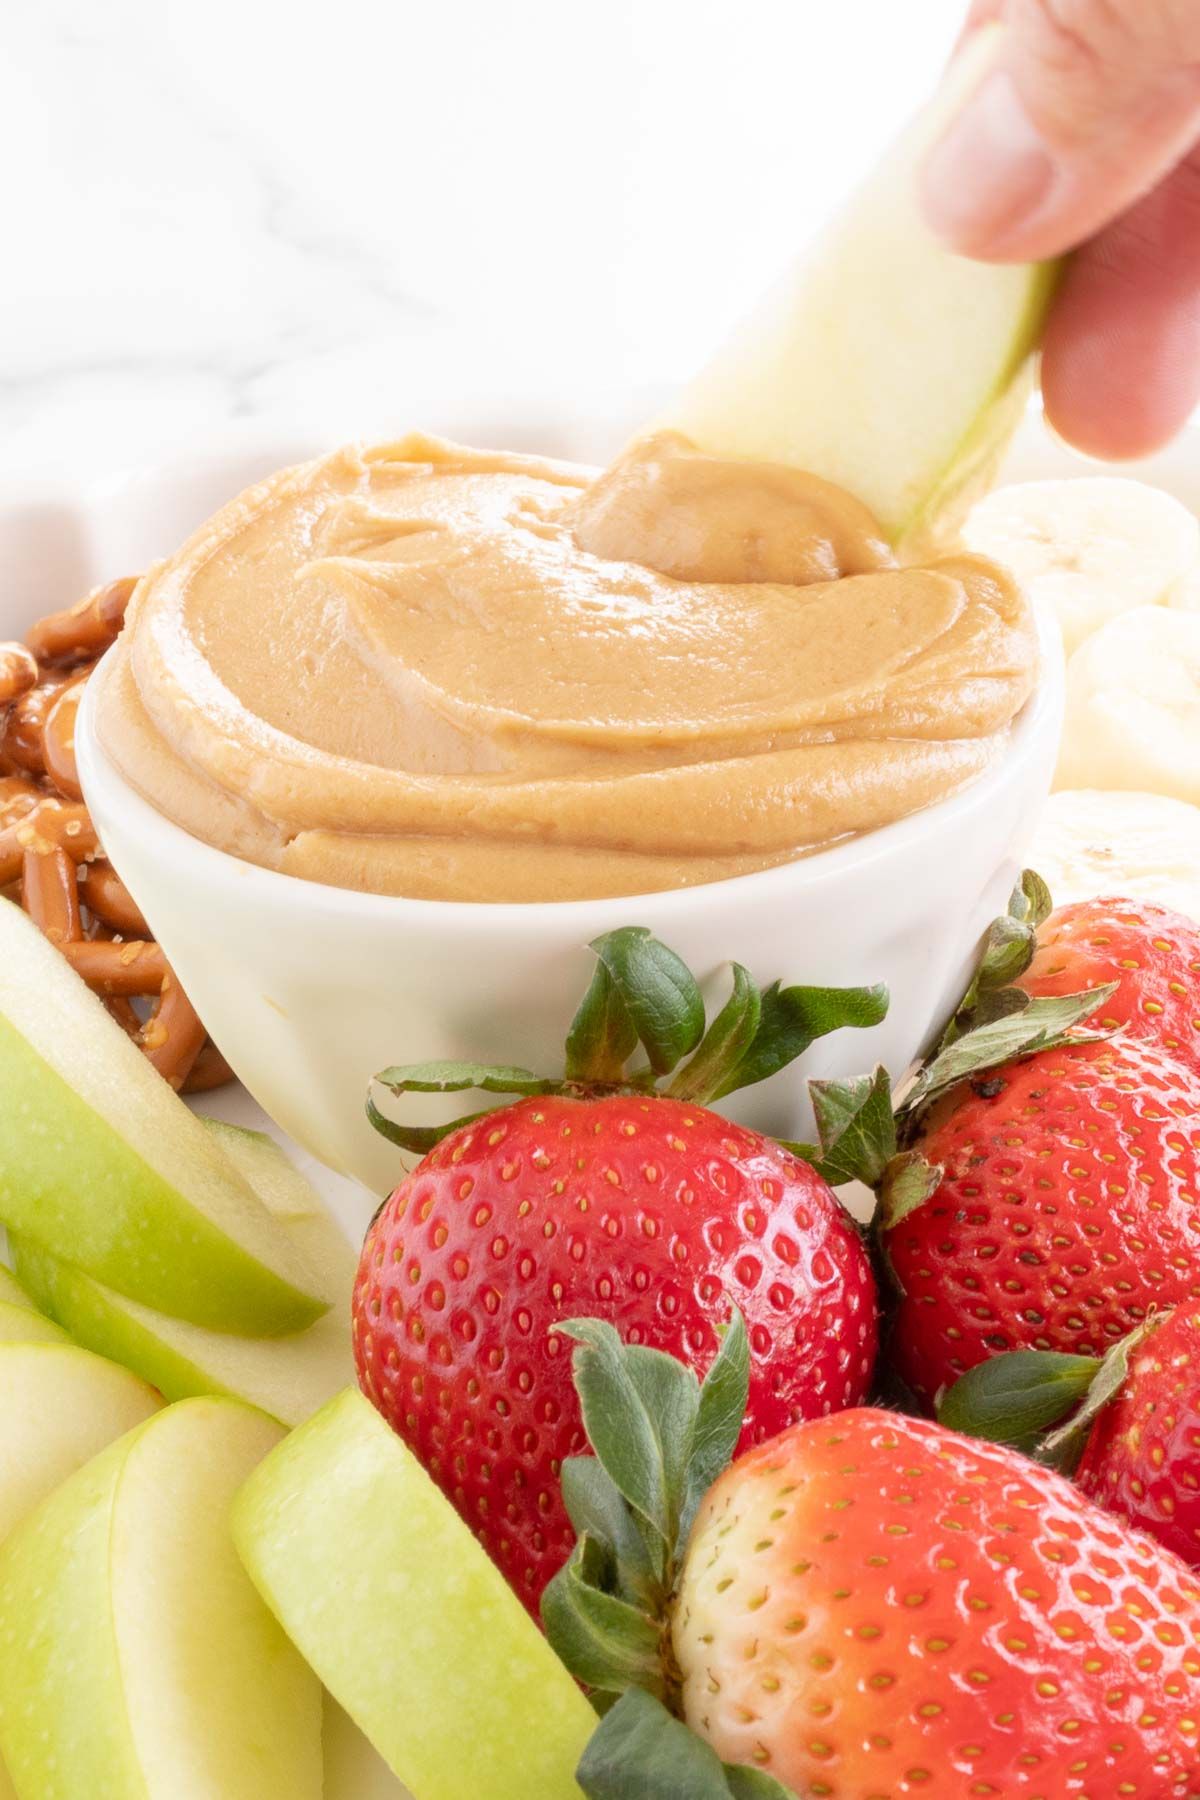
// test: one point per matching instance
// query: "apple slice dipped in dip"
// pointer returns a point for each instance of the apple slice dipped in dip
(426, 670)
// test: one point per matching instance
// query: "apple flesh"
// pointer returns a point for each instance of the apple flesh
(882, 361)
(288, 1377)
(413, 1630)
(136, 1660)
(59, 1407)
(102, 1163)
(354, 1769)
(25, 1325)
(12, 1293)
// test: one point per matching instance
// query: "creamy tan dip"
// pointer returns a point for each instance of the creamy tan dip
(421, 669)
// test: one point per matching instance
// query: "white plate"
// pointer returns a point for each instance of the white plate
(58, 540)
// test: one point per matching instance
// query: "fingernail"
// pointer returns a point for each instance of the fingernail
(989, 170)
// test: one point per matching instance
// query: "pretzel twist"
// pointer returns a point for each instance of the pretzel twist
(51, 857)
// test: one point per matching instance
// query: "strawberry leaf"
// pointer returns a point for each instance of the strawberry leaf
(638, 1449)
(1012, 1398)
(1008, 950)
(856, 1127)
(640, 1752)
(1045, 1023)
(598, 1511)
(659, 992)
(719, 1419)
(1063, 1448)
(908, 1182)
(603, 1036)
(604, 1642)
(725, 1043)
(418, 1139)
(455, 1077)
(791, 1019)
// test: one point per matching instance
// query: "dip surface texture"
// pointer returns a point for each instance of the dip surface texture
(420, 669)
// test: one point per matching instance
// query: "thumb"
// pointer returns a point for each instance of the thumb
(1083, 107)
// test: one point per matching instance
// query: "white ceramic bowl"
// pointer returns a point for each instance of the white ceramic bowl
(310, 989)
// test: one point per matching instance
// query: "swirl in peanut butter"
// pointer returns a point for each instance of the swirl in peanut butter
(426, 670)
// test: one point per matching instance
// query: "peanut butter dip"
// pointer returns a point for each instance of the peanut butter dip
(420, 669)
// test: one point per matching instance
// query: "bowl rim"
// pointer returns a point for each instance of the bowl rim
(214, 868)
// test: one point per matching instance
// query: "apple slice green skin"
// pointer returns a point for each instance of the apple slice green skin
(882, 361)
(411, 1628)
(136, 1660)
(102, 1163)
(59, 1407)
(288, 1377)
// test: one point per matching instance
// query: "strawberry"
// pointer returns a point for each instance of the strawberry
(1038, 1183)
(1153, 955)
(598, 1193)
(1142, 1457)
(1067, 1208)
(874, 1606)
(1132, 1435)
(862, 1608)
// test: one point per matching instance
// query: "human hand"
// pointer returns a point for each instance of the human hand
(1084, 135)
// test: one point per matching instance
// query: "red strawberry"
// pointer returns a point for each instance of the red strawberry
(1067, 1210)
(874, 1607)
(1151, 952)
(641, 1210)
(596, 1194)
(1142, 1457)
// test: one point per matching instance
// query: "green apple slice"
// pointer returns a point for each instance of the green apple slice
(288, 1377)
(882, 361)
(413, 1630)
(258, 1159)
(25, 1325)
(59, 1406)
(12, 1293)
(103, 1164)
(136, 1660)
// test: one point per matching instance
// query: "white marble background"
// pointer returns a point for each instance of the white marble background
(365, 214)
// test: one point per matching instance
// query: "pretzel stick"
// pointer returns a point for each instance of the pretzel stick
(210, 1070)
(112, 967)
(21, 737)
(105, 894)
(125, 1014)
(174, 1034)
(51, 895)
(18, 796)
(11, 856)
(58, 741)
(18, 672)
(84, 630)
(60, 825)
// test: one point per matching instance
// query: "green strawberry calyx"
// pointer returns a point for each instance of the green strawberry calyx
(660, 1439)
(1016, 1397)
(867, 1133)
(643, 1007)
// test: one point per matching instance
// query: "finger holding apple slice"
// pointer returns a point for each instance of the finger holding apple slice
(882, 362)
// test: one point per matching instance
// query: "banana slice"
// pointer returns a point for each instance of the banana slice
(1091, 547)
(1133, 706)
(1143, 846)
